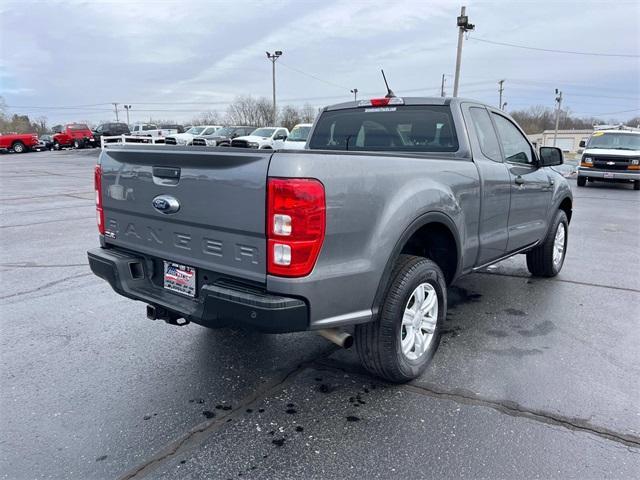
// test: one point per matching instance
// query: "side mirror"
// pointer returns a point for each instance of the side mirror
(583, 144)
(550, 156)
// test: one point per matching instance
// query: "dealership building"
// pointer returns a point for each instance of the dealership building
(568, 140)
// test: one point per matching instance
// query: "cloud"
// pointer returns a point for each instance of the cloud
(158, 55)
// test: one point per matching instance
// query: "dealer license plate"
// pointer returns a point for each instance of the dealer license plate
(180, 278)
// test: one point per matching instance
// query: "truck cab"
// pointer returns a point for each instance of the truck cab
(611, 155)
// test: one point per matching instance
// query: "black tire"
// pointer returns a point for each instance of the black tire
(582, 181)
(540, 260)
(636, 185)
(19, 147)
(379, 342)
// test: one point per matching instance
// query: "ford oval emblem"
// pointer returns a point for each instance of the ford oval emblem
(166, 204)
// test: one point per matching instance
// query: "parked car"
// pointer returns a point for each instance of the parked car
(76, 135)
(611, 156)
(297, 138)
(151, 130)
(45, 142)
(172, 126)
(187, 137)
(18, 142)
(266, 137)
(111, 129)
(393, 200)
(222, 137)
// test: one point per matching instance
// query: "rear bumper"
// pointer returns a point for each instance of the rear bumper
(222, 303)
(610, 174)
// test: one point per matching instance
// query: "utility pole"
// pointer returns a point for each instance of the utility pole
(355, 94)
(500, 90)
(127, 108)
(115, 107)
(463, 26)
(558, 107)
(273, 57)
(442, 86)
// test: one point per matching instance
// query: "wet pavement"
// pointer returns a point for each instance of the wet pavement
(534, 378)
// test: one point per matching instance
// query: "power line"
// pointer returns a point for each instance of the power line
(314, 76)
(571, 52)
(609, 113)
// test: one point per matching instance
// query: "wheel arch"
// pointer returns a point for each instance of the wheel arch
(432, 231)
(566, 205)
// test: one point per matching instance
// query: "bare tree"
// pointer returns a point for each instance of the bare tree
(265, 111)
(538, 118)
(210, 117)
(308, 113)
(289, 116)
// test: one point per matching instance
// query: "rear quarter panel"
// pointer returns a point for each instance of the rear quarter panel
(371, 200)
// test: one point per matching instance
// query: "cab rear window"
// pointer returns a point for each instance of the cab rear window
(412, 128)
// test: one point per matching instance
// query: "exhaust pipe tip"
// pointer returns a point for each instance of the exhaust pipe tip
(152, 313)
(340, 338)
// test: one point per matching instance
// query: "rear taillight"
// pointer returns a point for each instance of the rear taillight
(97, 182)
(295, 225)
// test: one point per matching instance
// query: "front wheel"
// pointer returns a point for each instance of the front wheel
(401, 342)
(636, 185)
(582, 181)
(546, 259)
(19, 147)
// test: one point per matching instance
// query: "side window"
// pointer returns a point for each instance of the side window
(515, 145)
(486, 134)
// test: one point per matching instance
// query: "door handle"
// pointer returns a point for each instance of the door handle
(519, 180)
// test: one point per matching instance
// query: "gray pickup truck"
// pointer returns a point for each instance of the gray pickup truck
(391, 200)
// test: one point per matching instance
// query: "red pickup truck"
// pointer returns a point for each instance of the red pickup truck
(18, 142)
(76, 135)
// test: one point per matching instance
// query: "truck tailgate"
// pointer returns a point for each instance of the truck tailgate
(219, 224)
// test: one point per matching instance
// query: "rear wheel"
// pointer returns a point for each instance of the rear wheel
(582, 181)
(546, 259)
(19, 147)
(401, 342)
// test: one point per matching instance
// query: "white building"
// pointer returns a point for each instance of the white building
(568, 140)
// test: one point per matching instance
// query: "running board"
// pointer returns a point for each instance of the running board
(511, 254)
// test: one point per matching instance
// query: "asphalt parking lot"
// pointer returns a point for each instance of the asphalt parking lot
(534, 378)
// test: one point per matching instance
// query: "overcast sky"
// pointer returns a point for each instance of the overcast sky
(174, 59)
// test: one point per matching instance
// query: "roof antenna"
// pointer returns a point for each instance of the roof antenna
(390, 93)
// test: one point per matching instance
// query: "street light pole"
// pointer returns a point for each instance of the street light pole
(464, 26)
(559, 105)
(500, 90)
(115, 107)
(127, 107)
(273, 57)
(355, 94)
(442, 86)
